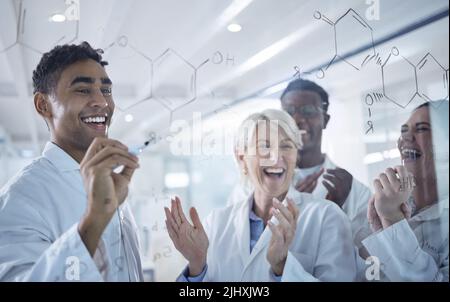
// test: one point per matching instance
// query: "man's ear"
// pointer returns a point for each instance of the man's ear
(42, 106)
(326, 119)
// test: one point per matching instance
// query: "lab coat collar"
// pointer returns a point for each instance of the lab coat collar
(262, 241)
(242, 225)
(59, 158)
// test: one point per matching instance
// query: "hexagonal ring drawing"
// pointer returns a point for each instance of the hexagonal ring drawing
(435, 73)
(174, 89)
(411, 83)
(122, 43)
(351, 20)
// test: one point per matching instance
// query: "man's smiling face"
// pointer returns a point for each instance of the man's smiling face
(81, 105)
(307, 110)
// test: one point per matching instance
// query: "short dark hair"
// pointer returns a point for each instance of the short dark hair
(426, 104)
(305, 85)
(53, 63)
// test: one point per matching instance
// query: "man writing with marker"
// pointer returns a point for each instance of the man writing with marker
(63, 217)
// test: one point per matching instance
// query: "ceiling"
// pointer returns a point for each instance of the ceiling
(170, 58)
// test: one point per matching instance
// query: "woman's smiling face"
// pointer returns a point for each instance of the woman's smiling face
(271, 168)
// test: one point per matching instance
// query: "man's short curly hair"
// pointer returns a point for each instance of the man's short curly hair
(305, 85)
(53, 63)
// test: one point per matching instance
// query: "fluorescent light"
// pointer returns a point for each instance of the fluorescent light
(277, 47)
(234, 9)
(264, 55)
(58, 18)
(129, 118)
(234, 27)
(176, 180)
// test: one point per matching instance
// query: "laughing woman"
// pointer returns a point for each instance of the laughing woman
(409, 211)
(278, 233)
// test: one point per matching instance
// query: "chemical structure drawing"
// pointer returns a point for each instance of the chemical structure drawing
(173, 79)
(428, 70)
(370, 99)
(219, 58)
(128, 54)
(299, 73)
(15, 40)
(410, 86)
(173, 93)
(348, 28)
(27, 38)
(181, 88)
(166, 252)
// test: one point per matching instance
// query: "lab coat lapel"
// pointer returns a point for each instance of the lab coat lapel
(242, 225)
(130, 242)
(259, 247)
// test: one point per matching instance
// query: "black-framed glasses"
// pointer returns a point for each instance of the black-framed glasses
(307, 111)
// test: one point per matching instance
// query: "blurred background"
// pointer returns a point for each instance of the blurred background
(176, 60)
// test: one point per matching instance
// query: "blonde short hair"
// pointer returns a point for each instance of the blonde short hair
(247, 129)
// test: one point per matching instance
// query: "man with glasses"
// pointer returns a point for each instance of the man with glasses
(308, 103)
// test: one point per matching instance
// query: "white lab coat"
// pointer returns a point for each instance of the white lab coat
(413, 250)
(355, 206)
(39, 241)
(321, 251)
